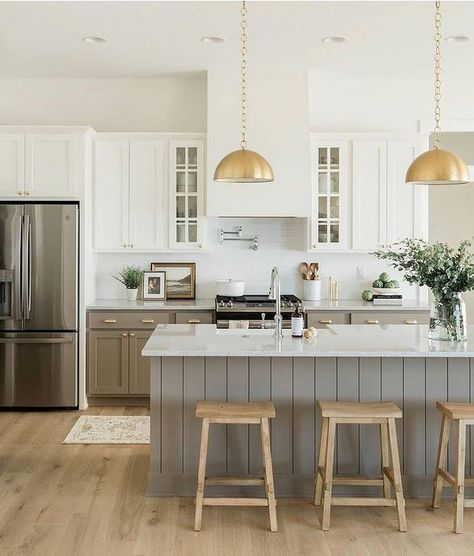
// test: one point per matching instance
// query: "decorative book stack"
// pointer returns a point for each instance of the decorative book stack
(387, 299)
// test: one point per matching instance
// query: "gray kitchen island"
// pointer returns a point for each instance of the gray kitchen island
(347, 362)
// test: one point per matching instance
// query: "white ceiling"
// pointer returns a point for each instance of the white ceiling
(146, 39)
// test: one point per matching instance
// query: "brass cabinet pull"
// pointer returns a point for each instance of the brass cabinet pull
(27, 193)
(110, 321)
(124, 334)
(325, 321)
(372, 322)
(20, 192)
(148, 321)
(410, 322)
(132, 334)
(194, 321)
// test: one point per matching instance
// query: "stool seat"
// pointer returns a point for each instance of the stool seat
(235, 410)
(457, 410)
(378, 410)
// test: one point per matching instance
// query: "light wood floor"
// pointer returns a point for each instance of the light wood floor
(58, 500)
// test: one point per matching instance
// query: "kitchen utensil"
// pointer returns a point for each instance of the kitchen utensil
(231, 288)
(303, 269)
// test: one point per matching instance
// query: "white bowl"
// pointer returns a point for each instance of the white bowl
(385, 291)
(231, 288)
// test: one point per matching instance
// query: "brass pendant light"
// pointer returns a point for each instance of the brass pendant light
(437, 166)
(243, 165)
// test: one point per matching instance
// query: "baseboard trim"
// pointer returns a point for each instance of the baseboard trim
(123, 400)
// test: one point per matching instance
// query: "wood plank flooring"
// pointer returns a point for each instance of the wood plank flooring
(58, 500)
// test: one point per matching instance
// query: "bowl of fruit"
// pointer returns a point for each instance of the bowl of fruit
(384, 284)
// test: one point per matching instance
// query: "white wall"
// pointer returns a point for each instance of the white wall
(278, 128)
(281, 243)
(161, 104)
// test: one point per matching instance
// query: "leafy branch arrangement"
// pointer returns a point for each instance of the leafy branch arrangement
(130, 276)
(445, 270)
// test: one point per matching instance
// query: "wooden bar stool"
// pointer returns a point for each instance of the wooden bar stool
(231, 413)
(384, 414)
(463, 414)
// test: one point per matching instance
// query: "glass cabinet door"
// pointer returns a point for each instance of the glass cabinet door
(328, 195)
(186, 195)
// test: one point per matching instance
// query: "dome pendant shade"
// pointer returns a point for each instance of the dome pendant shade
(243, 166)
(437, 167)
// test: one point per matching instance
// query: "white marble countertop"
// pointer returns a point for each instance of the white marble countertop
(205, 340)
(168, 305)
(359, 305)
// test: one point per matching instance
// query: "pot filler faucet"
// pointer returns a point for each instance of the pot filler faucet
(275, 293)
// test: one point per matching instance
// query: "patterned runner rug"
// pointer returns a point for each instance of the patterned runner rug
(101, 429)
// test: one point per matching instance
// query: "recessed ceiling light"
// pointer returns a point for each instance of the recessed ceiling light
(457, 38)
(94, 40)
(213, 40)
(334, 40)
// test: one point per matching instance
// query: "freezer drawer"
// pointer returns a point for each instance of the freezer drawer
(38, 370)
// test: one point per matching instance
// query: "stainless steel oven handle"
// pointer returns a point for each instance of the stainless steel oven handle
(36, 340)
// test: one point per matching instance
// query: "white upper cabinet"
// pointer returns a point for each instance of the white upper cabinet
(147, 208)
(50, 165)
(369, 194)
(148, 192)
(42, 164)
(111, 194)
(12, 165)
(330, 226)
(186, 194)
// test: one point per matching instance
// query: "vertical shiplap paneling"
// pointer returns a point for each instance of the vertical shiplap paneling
(303, 415)
(193, 391)
(216, 389)
(155, 414)
(282, 426)
(172, 415)
(259, 383)
(458, 391)
(436, 390)
(237, 435)
(370, 388)
(414, 415)
(348, 435)
(392, 391)
(325, 389)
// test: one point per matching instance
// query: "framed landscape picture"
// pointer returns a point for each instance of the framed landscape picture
(180, 279)
(154, 285)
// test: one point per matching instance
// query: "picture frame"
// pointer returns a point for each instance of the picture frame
(154, 285)
(180, 279)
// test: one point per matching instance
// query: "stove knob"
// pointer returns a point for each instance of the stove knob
(221, 304)
(230, 304)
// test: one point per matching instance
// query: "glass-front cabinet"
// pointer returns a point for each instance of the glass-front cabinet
(329, 177)
(186, 193)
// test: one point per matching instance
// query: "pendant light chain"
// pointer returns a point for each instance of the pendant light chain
(243, 76)
(437, 71)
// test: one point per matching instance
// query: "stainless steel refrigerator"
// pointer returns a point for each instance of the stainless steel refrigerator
(39, 280)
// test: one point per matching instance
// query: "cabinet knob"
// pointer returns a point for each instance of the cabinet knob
(132, 334)
(110, 321)
(131, 245)
(27, 193)
(125, 245)
(124, 334)
(372, 322)
(410, 322)
(20, 192)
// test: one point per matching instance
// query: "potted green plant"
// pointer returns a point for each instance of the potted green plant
(131, 277)
(447, 271)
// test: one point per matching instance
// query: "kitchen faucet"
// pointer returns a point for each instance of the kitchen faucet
(275, 293)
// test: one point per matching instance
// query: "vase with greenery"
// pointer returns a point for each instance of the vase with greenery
(447, 271)
(131, 277)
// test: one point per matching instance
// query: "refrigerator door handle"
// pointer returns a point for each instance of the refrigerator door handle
(18, 278)
(26, 267)
(36, 340)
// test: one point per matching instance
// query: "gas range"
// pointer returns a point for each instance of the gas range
(258, 310)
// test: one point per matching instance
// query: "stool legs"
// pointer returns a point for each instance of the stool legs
(321, 462)
(268, 469)
(460, 471)
(441, 460)
(328, 473)
(385, 452)
(397, 476)
(201, 474)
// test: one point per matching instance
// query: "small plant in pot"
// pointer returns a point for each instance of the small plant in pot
(131, 277)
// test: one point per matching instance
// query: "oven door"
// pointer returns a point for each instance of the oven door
(255, 320)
